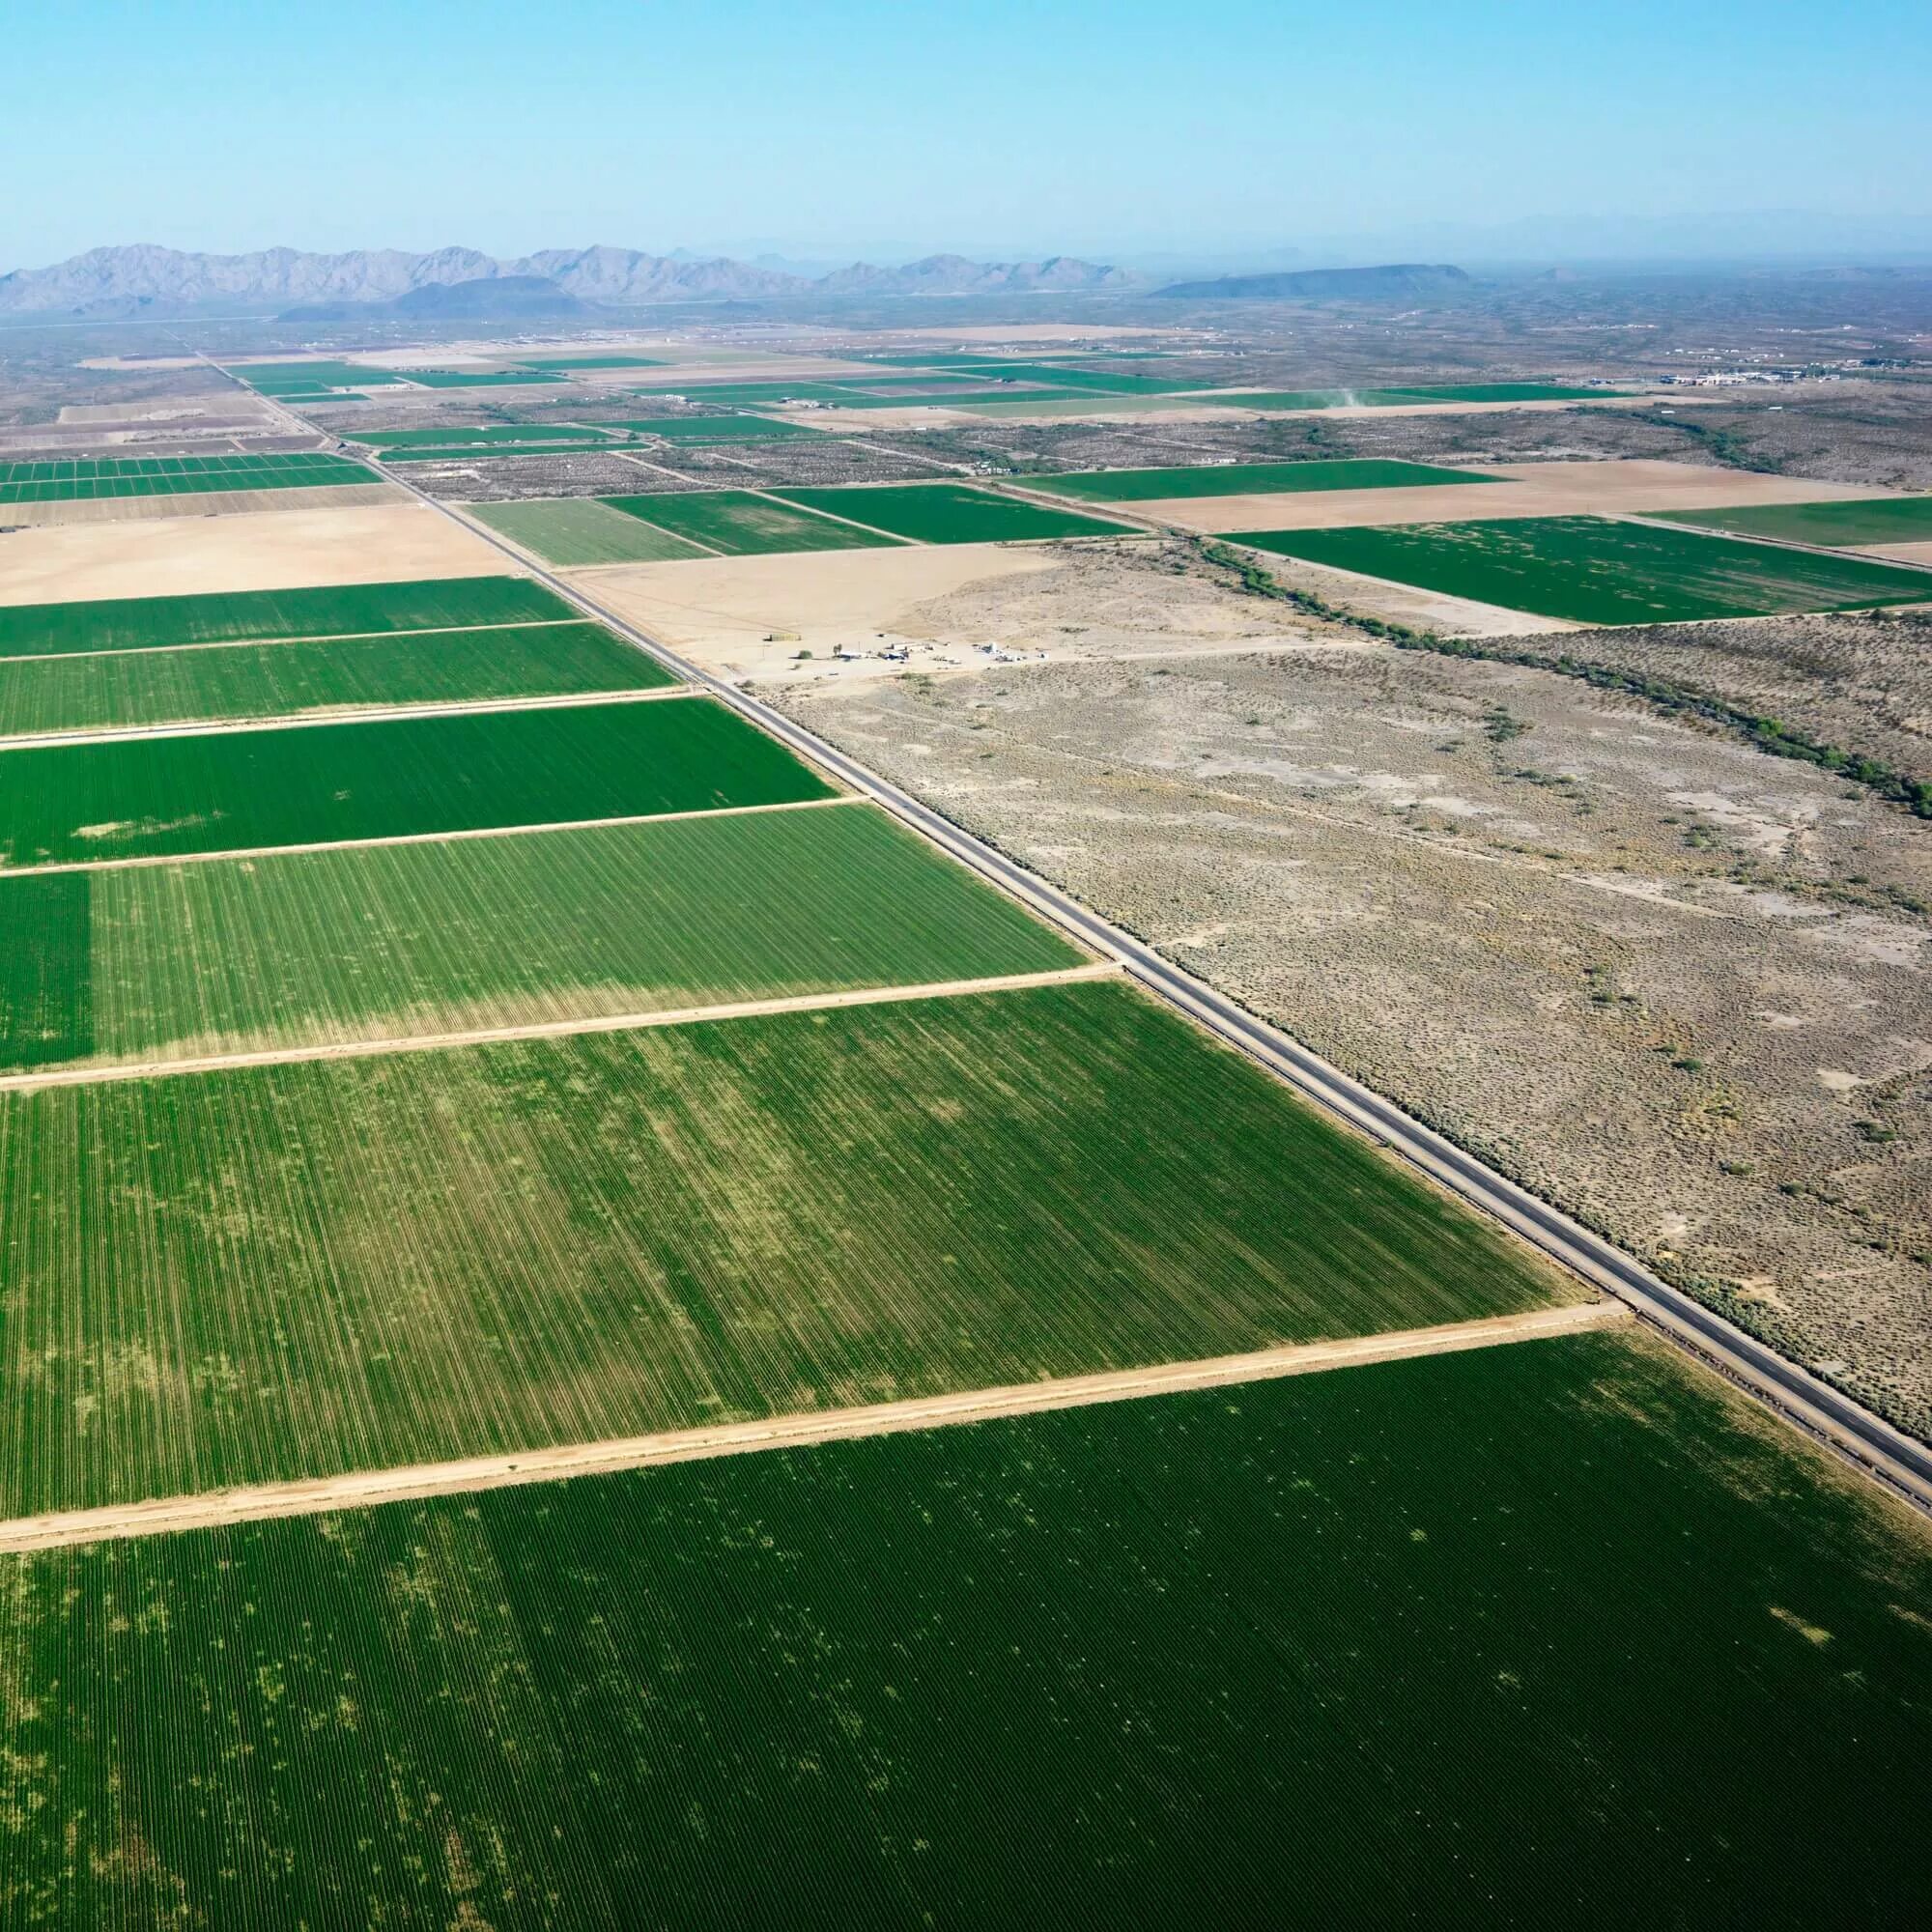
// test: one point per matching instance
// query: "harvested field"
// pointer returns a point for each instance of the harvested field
(235, 791)
(741, 523)
(1130, 1664)
(1668, 983)
(1246, 480)
(1588, 570)
(1553, 489)
(319, 611)
(1862, 521)
(269, 551)
(573, 530)
(210, 503)
(558, 1241)
(121, 689)
(142, 963)
(952, 513)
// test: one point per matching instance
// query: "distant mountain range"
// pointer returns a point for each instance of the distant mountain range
(130, 280)
(1401, 280)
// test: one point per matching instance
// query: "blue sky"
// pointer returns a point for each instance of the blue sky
(851, 127)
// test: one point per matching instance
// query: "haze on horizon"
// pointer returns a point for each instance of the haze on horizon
(863, 129)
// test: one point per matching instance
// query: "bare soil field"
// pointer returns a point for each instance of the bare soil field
(272, 550)
(1677, 985)
(208, 503)
(1554, 488)
(234, 407)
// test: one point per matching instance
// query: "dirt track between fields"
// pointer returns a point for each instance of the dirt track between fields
(363, 1488)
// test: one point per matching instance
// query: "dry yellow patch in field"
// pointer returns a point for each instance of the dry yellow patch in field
(752, 615)
(1524, 490)
(274, 550)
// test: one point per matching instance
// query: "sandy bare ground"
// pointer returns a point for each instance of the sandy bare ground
(1526, 490)
(274, 550)
(425, 1042)
(421, 837)
(364, 1488)
(227, 406)
(1902, 553)
(1408, 603)
(197, 508)
(752, 615)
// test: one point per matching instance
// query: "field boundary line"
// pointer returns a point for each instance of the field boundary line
(1841, 552)
(421, 838)
(364, 1488)
(1806, 1401)
(267, 643)
(297, 720)
(106, 1074)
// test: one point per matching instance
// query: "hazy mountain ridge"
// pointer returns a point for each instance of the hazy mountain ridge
(145, 275)
(1394, 278)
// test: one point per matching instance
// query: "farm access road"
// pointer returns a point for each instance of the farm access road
(362, 1488)
(1805, 1401)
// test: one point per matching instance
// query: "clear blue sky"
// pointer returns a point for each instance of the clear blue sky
(852, 125)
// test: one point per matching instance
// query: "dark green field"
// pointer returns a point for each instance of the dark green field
(1056, 376)
(740, 523)
(477, 379)
(952, 513)
(158, 962)
(1880, 520)
(1244, 479)
(326, 611)
(283, 680)
(224, 791)
(370, 1261)
(88, 479)
(1539, 1636)
(716, 429)
(1594, 571)
(744, 395)
(294, 378)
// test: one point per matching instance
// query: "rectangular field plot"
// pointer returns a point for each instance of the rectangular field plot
(1494, 1639)
(323, 611)
(294, 379)
(421, 1255)
(160, 962)
(580, 530)
(232, 791)
(716, 429)
(87, 479)
(1881, 520)
(952, 513)
(1592, 571)
(1056, 376)
(1246, 479)
(283, 680)
(566, 363)
(746, 395)
(741, 523)
(476, 378)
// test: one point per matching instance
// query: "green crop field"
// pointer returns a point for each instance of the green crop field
(155, 962)
(952, 513)
(744, 395)
(567, 531)
(365, 1262)
(1593, 571)
(463, 435)
(477, 379)
(224, 792)
(293, 379)
(1243, 479)
(1878, 520)
(1539, 1636)
(1056, 376)
(717, 429)
(88, 479)
(1275, 399)
(325, 611)
(566, 363)
(283, 680)
(739, 523)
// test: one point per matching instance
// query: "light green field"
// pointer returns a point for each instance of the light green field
(1881, 520)
(1594, 571)
(1543, 1637)
(92, 479)
(161, 962)
(326, 611)
(740, 523)
(217, 682)
(1246, 480)
(366, 1263)
(230, 791)
(568, 530)
(952, 513)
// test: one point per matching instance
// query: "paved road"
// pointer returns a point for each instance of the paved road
(1873, 1444)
